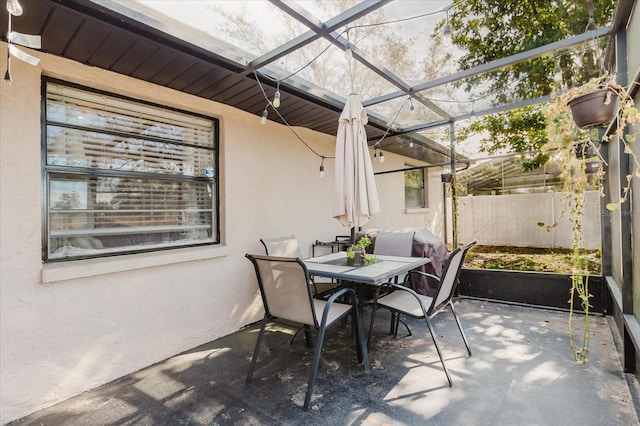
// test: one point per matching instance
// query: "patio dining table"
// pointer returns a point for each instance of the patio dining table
(364, 278)
(335, 266)
(425, 244)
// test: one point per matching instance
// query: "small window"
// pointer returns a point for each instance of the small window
(123, 176)
(415, 193)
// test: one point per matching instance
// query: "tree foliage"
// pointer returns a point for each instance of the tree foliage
(487, 30)
(522, 130)
(67, 201)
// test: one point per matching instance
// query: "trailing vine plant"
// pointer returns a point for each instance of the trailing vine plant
(455, 206)
(569, 146)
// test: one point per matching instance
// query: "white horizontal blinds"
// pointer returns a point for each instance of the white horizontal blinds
(116, 193)
(106, 212)
(102, 112)
(100, 212)
(81, 148)
(86, 129)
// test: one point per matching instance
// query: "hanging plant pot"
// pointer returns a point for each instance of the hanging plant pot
(585, 150)
(591, 110)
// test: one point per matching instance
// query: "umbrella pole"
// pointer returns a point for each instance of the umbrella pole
(353, 235)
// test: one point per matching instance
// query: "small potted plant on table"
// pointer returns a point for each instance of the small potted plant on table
(356, 255)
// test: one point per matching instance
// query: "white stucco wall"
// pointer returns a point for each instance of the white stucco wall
(391, 192)
(68, 327)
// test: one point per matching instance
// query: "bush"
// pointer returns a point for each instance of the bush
(529, 259)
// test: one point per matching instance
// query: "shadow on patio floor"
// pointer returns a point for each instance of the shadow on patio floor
(521, 372)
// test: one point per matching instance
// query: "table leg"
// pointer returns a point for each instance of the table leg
(373, 315)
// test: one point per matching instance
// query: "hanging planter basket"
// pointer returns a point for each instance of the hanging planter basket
(591, 110)
(585, 150)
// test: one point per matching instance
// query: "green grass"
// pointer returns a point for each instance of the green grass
(530, 259)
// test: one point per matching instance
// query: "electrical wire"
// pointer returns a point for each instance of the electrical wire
(315, 58)
(264, 93)
(442, 10)
(408, 18)
(377, 144)
(346, 30)
(512, 82)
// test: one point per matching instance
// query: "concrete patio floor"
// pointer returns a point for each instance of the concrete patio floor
(521, 373)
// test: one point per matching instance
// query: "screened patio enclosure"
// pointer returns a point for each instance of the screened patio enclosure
(217, 70)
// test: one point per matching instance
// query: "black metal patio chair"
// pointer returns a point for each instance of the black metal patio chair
(393, 243)
(287, 294)
(403, 300)
(288, 246)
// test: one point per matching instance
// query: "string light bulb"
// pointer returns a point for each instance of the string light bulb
(473, 110)
(265, 113)
(347, 51)
(411, 107)
(381, 158)
(557, 72)
(411, 143)
(322, 167)
(276, 97)
(446, 30)
(14, 7)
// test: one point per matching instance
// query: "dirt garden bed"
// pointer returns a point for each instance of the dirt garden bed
(529, 259)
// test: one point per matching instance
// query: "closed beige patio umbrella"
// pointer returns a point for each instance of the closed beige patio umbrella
(355, 195)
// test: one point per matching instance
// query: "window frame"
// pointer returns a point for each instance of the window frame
(425, 183)
(47, 171)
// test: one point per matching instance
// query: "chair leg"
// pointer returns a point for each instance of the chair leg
(314, 367)
(307, 336)
(433, 336)
(344, 321)
(252, 366)
(397, 326)
(464, 338)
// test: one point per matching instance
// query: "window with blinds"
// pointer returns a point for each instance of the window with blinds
(122, 176)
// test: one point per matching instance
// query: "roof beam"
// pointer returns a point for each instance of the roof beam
(506, 107)
(498, 109)
(396, 81)
(497, 64)
(326, 31)
(317, 29)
